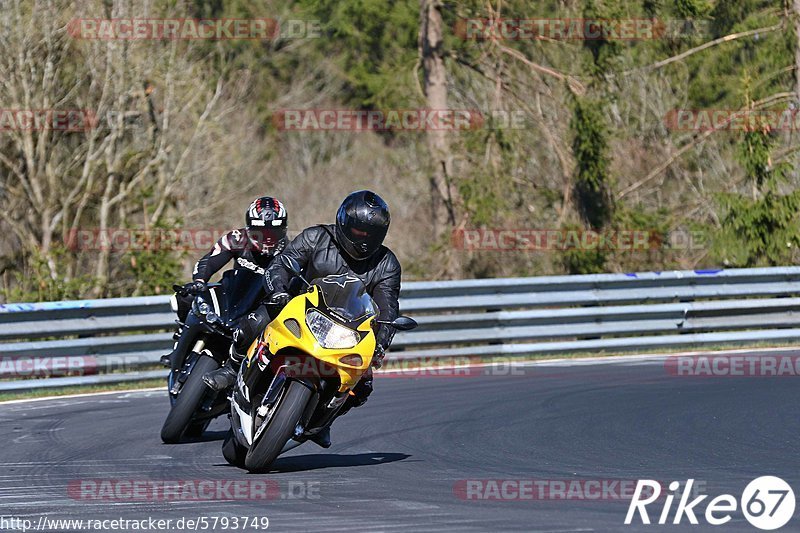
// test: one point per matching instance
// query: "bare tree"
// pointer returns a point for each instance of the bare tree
(148, 113)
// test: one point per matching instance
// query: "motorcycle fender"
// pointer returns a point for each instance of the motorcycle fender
(188, 366)
(279, 382)
(242, 424)
(308, 383)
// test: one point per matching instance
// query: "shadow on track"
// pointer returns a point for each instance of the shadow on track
(297, 463)
(207, 436)
(300, 463)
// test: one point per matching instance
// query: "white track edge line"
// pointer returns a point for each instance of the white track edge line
(600, 360)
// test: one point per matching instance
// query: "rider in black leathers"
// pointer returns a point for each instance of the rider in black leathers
(252, 247)
(351, 246)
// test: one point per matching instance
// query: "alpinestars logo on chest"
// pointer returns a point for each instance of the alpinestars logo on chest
(340, 280)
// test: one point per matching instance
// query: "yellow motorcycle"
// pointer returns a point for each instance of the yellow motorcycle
(299, 372)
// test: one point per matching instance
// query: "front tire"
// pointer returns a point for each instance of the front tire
(280, 429)
(180, 416)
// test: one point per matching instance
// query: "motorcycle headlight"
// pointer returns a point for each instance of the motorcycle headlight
(328, 333)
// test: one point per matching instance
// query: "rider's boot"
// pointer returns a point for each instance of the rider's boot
(224, 377)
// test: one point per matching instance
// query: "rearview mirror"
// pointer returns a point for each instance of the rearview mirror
(404, 323)
(291, 264)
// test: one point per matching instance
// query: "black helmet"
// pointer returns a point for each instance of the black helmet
(361, 224)
(266, 221)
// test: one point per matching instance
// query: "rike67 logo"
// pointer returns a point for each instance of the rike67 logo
(767, 503)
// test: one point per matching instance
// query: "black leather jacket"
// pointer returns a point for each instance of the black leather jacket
(319, 256)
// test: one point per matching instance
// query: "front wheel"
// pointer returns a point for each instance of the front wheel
(280, 427)
(186, 404)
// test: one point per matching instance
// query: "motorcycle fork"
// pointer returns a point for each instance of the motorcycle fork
(274, 390)
(177, 382)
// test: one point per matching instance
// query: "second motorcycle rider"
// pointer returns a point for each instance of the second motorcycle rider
(252, 247)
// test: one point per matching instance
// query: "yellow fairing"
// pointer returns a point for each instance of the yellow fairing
(278, 337)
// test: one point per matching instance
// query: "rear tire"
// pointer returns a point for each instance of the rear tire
(188, 401)
(280, 429)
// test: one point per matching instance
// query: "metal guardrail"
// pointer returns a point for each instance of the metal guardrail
(509, 316)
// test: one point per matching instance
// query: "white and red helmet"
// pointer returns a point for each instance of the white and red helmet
(266, 222)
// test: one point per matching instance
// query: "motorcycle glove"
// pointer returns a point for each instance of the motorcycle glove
(279, 298)
(195, 287)
(378, 356)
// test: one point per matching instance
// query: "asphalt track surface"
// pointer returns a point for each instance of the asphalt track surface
(396, 463)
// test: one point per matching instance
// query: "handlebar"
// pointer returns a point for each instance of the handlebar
(180, 289)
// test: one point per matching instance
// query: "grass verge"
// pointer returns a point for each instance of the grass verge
(64, 391)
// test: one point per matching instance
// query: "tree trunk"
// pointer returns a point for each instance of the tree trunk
(443, 192)
(796, 11)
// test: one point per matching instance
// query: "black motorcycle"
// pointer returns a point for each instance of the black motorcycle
(203, 345)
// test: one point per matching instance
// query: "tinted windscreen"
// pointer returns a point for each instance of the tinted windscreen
(346, 296)
(243, 289)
